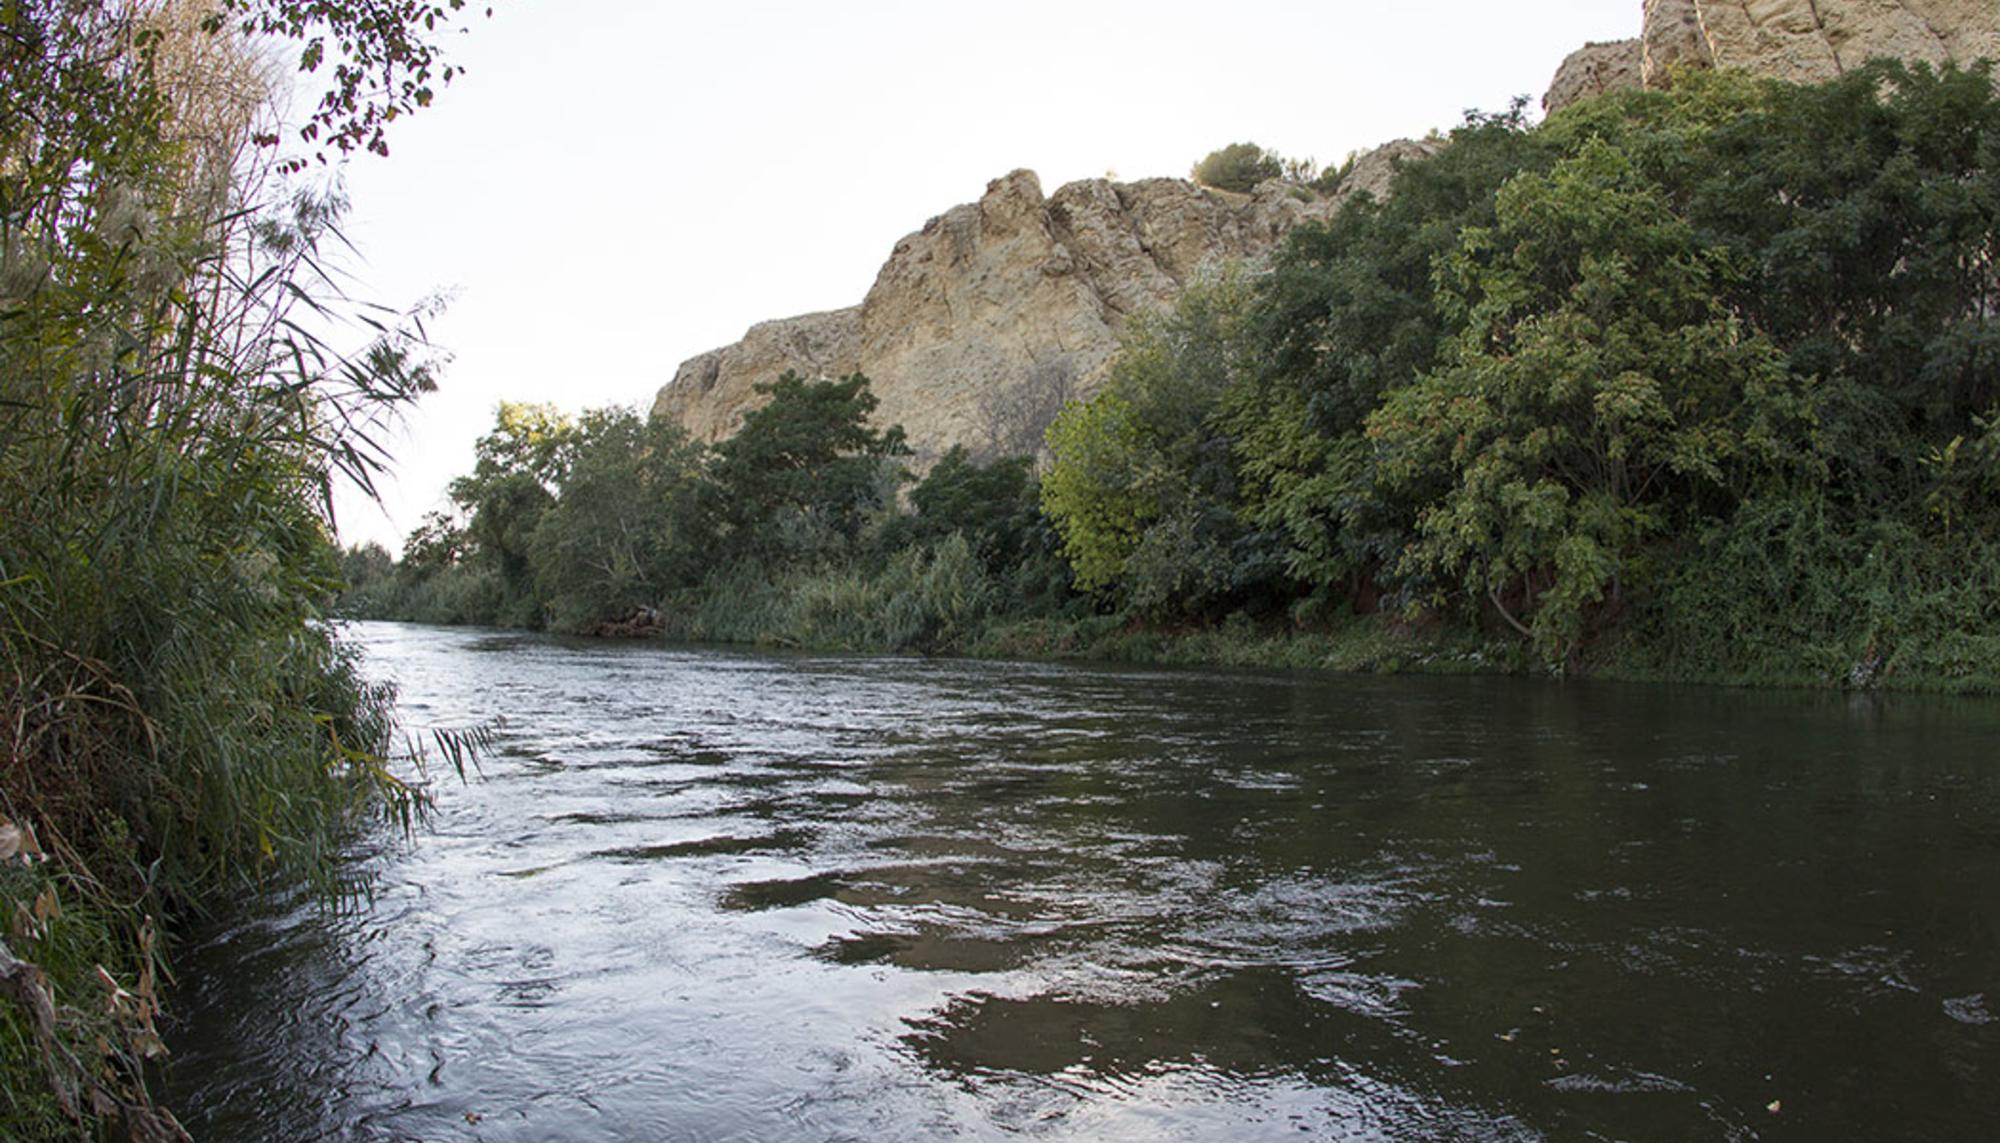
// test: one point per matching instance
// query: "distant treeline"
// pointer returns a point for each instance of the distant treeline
(1698, 383)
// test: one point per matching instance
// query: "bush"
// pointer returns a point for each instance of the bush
(1238, 167)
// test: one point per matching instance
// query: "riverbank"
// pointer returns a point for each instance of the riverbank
(946, 606)
(1375, 644)
(178, 725)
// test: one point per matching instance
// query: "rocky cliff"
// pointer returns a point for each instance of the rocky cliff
(979, 325)
(1803, 41)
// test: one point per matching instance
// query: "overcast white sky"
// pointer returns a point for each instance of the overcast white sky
(617, 185)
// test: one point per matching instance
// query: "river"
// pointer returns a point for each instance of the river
(721, 895)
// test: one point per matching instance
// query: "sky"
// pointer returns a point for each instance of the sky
(614, 186)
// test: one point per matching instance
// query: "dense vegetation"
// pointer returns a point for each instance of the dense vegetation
(1693, 383)
(790, 531)
(175, 719)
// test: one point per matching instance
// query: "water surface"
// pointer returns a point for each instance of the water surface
(727, 896)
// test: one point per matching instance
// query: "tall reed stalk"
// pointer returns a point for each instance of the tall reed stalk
(175, 717)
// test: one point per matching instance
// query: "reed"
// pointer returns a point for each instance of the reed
(176, 718)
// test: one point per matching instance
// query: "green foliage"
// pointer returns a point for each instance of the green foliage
(1679, 382)
(1091, 491)
(1785, 591)
(366, 563)
(1347, 313)
(806, 472)
(629, 524)
(177, 717)
(1238, 167)
(1600, 395)
(994, 506)
(1142, 488)
(931, 598)
(517, 468)
(1862, 213)
(435, 545)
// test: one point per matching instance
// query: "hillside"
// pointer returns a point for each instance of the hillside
(984, 321)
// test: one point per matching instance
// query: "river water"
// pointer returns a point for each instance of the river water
(716, 895)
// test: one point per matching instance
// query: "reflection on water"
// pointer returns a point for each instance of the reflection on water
(710, 895)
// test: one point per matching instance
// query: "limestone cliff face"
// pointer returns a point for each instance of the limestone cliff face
(1809, 40)
(1594, 69)
(1804, 41)
(704, 396)
(981, 323)
(1672, 38)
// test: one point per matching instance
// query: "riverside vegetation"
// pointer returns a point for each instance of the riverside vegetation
(1699, 383)
(176, 721)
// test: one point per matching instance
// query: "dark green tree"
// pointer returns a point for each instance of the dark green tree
(629, 524)
(1349, 312)
(516, 471)
(1238, 167)
(1600, 395)
(806, 472)
(993, 505)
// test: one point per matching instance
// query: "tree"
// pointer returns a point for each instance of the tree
(516, 471)
(629, 522)
(1349, 312)
(1600, 394)
(1238, 167)
(994, 506)
(1143, 487)
(805, 471)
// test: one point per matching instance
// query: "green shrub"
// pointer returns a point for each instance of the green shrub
(1238, 167)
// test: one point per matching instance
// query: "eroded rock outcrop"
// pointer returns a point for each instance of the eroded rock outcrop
(1594, 69)
(1373, 170)
(1672, 37)
(703, 395)
(981, 323)
(1803, 41)
(1810, 40)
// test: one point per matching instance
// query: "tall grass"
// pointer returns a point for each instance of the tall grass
(1790, 590)
(176, 720)
(929, 598)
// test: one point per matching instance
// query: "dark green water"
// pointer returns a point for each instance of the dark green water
(714, 896)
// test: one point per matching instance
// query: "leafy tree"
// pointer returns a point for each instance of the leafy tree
(628, 525)
(1863, 212)
(1238, 167)
(806, 472)
(1092, 491)
(1143, 473)
(1872, 206)
(1348, 312)
(993, 505)
(516, 470)
(366, 563)
(1600, 395)
(437, 543)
